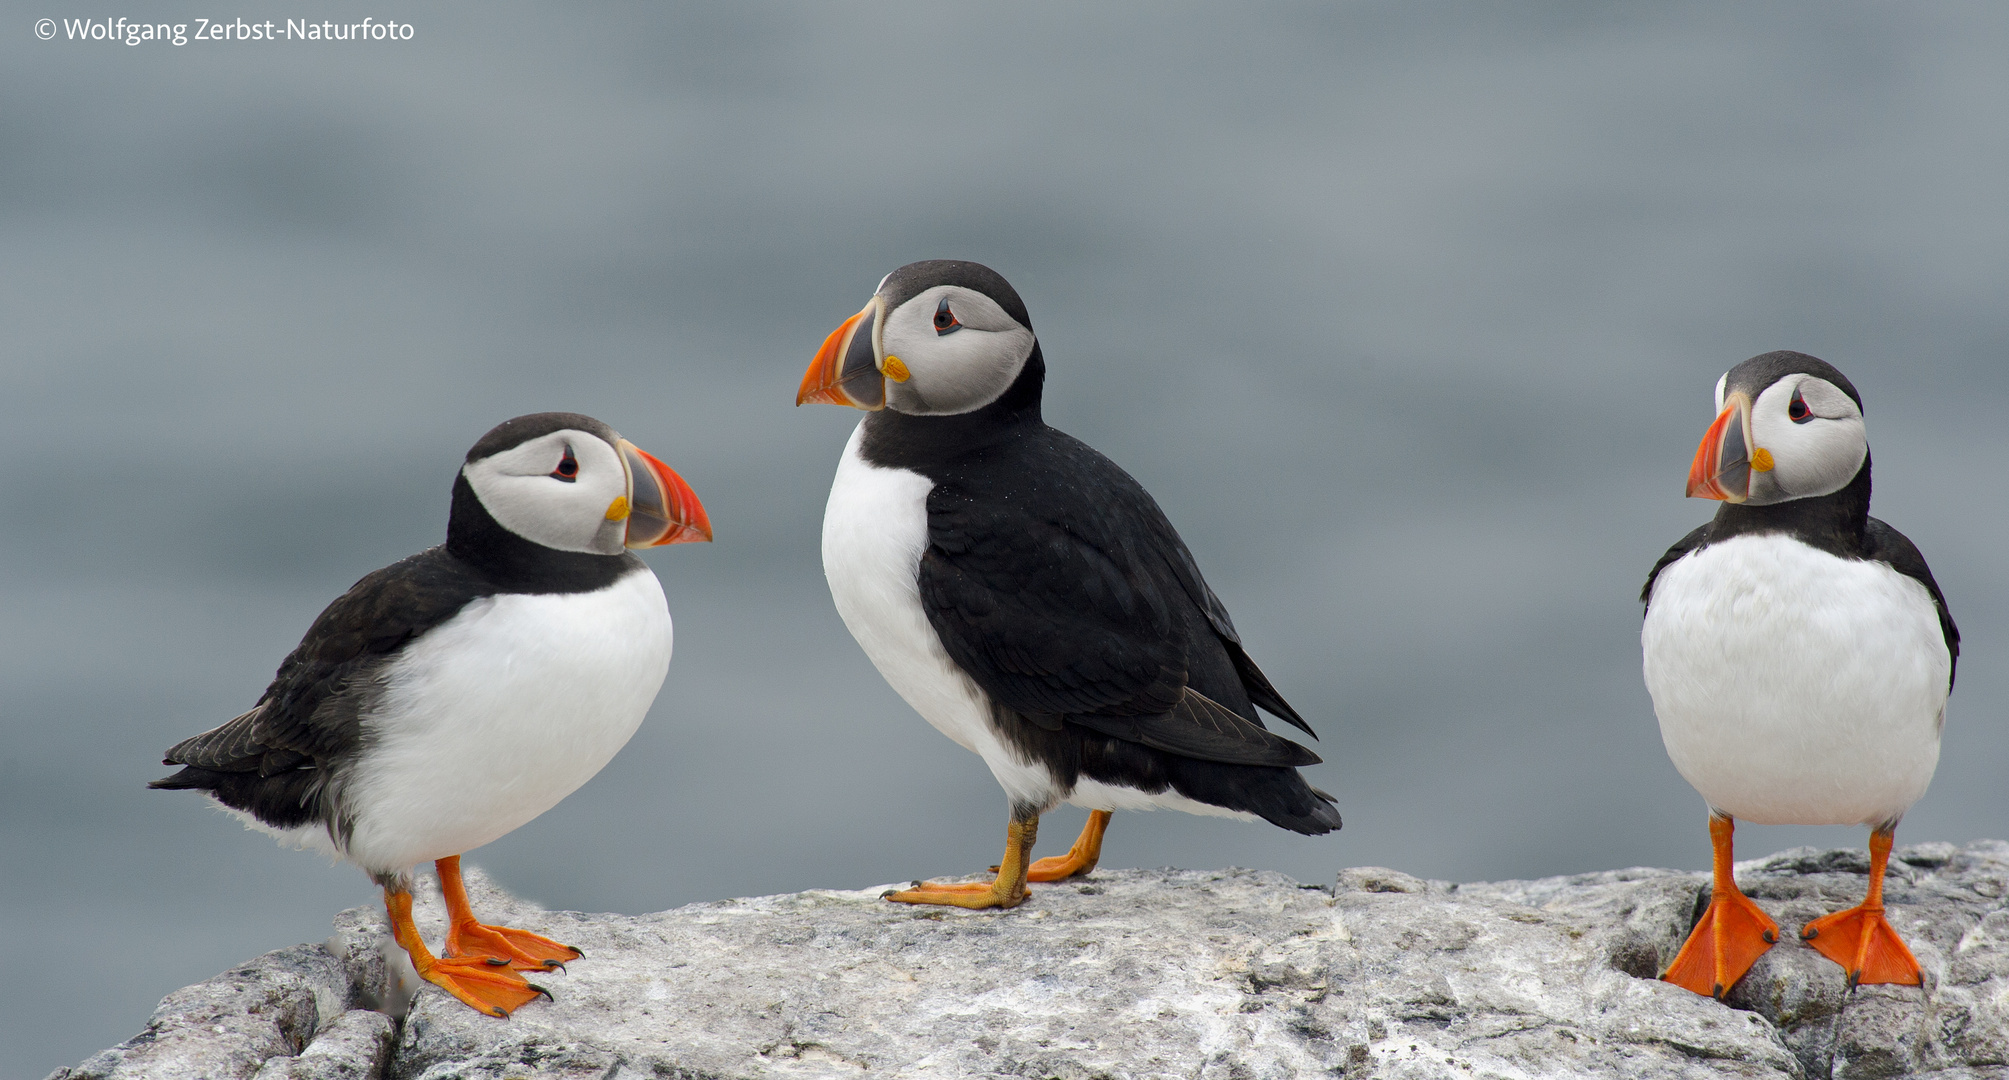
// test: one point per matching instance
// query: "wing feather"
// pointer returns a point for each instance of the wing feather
(1092, 612)
(1887, 545)
(312, 712)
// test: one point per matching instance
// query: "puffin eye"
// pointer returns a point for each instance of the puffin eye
(568, 468)
(945, 320)
(1797, 409)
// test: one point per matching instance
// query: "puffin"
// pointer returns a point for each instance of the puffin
(452, 696)
(1799, 655)
(1028, 597)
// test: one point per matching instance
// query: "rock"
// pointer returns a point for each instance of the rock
(233, 1024)
(1144, 973)
(356, 1046)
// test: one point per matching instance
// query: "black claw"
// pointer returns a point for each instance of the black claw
(497, 961)
(577, 951)
(541, 990)
(553, 965)
(1716, 991)
(1809, 934)
(1771, 937)
(498, 1010)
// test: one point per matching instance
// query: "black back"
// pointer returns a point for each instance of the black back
(1055, 581)
(285, 760)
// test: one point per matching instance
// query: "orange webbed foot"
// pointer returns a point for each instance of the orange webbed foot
(1732, 933)
(1080, 859)
(1008, 891)
(487, 987)
(1731, 936)
(486, 984)
(1864, 943)
(1058, 868)
(467, 936)
(519, 949)
(944, 887)
(962, 894)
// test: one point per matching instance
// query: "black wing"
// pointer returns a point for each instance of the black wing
(273, 760)
(1681, 547)
(1887, 545)
(1080, 604)
(1260, 692)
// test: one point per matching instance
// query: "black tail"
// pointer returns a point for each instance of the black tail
(285, 801)
(1277, 795)
(190, 778)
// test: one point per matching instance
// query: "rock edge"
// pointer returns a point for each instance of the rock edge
(1146, 973)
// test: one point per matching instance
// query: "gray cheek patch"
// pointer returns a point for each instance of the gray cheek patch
(1826, 400)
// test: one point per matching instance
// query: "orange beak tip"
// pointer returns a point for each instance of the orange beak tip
(666, 502)
(699, 530)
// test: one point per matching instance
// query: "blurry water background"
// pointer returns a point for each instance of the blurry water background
(1408, 314)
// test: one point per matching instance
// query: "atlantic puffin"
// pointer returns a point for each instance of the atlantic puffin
(1799, 655)
(450, 697)
(1025, 595)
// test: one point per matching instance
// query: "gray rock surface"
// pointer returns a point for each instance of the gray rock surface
(1136, 973)
(278, 1008)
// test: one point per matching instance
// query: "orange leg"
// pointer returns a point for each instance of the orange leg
(487, 985)
(1732, 934)
(467, 936)
(1080, 859)
(1860, 939)
(1008, 891)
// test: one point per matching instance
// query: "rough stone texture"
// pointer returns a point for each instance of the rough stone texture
(229, 1027)
(356, 1046)
(1230, 974)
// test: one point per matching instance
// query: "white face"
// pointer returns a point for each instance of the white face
(957, 371)
(555, 490)
(1815, 435)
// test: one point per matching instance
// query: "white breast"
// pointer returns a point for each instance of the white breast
(1795, 687)
(874, 531)
(492, 717)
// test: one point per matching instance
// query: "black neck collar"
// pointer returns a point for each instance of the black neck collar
(1834, 523)
(897, 440)
(516, 565)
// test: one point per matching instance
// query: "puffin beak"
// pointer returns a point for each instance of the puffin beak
(1723, 463)
(660, 508)
(847, 369)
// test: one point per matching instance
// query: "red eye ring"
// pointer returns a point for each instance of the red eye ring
(945, 320)
(1797, 411)
(568, 468)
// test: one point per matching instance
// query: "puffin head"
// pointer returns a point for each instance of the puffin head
(571, 483)
(937, 338)
(1788, 426)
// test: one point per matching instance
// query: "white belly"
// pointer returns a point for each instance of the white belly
(874, 531)
(1794, 687)
(492, 717)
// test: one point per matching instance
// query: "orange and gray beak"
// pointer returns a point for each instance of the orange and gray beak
(847, 369)
(1723, 463)
(660, 508)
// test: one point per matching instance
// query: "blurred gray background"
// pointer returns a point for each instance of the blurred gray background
(1407, 314)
